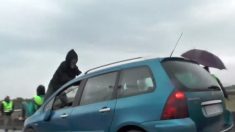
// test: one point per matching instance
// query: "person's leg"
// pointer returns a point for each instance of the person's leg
(23, 112)
(6, 122)
(9, 122)
(228, 120)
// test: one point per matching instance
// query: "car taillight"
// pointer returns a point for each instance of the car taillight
(176, 106)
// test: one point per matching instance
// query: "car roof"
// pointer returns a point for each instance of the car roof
(119, 66)
(115, 66)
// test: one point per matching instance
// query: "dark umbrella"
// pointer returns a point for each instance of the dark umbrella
(205, 58)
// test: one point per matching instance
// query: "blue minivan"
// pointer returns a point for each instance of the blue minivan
(136, 95)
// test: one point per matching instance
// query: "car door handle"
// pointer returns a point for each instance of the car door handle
(35, 124)
(64, 115)
(104, 110)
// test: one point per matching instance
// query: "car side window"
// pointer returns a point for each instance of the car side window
(66, 97)
(49, 105)
(99, 88)
(135, 81)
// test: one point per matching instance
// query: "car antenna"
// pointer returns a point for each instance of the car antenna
(176, 44)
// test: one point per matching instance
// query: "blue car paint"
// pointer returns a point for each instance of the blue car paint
(177, 125)
(88, 117)
(143, 111)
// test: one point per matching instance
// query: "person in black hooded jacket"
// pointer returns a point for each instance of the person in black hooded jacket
(67, 71)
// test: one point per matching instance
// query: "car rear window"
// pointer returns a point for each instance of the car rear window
(189, 75)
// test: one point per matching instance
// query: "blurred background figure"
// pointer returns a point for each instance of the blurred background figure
(39, 98)
(29, 108)
(208, 59)
(7, 109)
(67, 71)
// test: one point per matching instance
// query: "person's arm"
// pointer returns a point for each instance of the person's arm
(13, 107)
(66, 75)
(62, 74)
(77, 71)
(23, 105)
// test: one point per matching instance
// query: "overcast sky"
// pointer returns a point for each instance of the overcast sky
(36, 35)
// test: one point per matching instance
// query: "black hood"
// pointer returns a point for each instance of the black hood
(71, 55)
(40, 90)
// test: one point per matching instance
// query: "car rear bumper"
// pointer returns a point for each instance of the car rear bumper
(177, 125)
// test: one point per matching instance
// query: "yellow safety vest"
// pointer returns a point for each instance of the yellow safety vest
(7, 107)
(38, 100)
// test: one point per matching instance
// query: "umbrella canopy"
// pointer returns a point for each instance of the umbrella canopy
(205, 58)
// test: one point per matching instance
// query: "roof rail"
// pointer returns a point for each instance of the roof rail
(112, 64)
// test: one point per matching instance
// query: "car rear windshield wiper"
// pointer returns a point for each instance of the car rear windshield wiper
(214, 87)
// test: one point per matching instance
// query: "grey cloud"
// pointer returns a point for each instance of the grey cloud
(35, 35)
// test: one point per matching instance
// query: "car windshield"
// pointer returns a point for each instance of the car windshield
(190, 75)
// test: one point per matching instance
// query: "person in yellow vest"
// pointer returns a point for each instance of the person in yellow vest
(29, 108)
(7, 109)
(39, 98)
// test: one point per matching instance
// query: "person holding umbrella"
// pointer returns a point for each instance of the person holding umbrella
(210, 60)
(207, 59)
